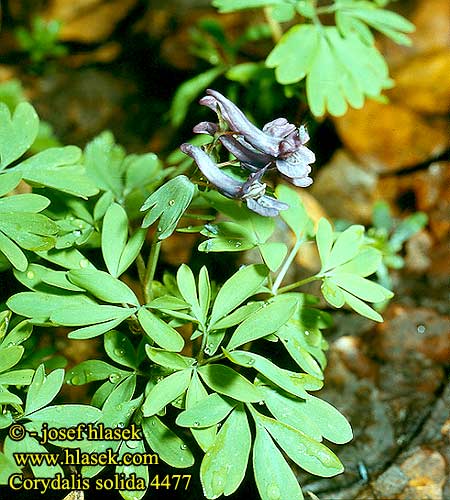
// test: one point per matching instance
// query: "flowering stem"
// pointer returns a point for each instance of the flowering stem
(286, 265)
(151, 268)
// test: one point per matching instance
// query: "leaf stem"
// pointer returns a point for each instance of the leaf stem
(151, 268)
(290, 287)
(274, 26)
(286, 265)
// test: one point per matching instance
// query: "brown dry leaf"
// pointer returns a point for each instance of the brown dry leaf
(391, 137)
(104, 54)
(88, 21)
(423, 83)
(344, 189)
(432, 21)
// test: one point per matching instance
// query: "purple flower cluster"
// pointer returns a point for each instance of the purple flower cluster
(279, 145)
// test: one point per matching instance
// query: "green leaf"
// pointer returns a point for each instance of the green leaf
(119, 348)
(17, 132)
(89, 313)
(274, 478)
(103, 286)
(295, 53)
(204, 291)
(223, 467)
(227, 381)
(168, 302)
(292, 338)
(289, 381)
(236, 289)
(196, 392)
(290, 410)
(10, 356)
(364, 264)
(345, 248)
(43, 388)
(8, 467)
(169, 360)
(67, 415)
(91, 331)
(186, 285)
(92, 370)
(273, 253)
(54, 168)
(188, 91)
(324, 239)
(13, 253)
(8, 181)
(166, 443)
(207, 412)
(36, 277)
(264, 321)
(283, 12)
(168, 203)
(307, 453)
(159, 331)
(361, 307)
(407, 228)
(69, 258)
(221, 244)
(296, 216)
(16, 377)
(32, 446)
(381, 216)
(134, 450)
(28, 202)
(8, 398)
(332, 293)
(332, 424)
(238, 315)
(361, 287)
(166, 391)
(131, 251)
(114, 237)
(232, 5)
(104, 163)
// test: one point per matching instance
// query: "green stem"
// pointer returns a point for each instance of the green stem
(286, 265)
(151, 268)
(275, 27)
(290, 287)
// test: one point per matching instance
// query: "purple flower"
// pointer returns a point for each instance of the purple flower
(252, 191)
(279, 143)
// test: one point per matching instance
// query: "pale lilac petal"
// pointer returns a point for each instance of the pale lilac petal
(301, 181)
(225, 184)
(239, 123)
(297, 164)
(266, 206)
(209, 128)
(279, 127)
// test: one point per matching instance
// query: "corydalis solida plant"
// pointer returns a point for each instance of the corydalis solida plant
(279, 145)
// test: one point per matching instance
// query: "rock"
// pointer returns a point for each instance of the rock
(391, 482)
(423, 83)
(427, 190)
(410, 331)
(391, 137)
(88, 21)
(425, 470)
(418, 251)
(345, 189)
